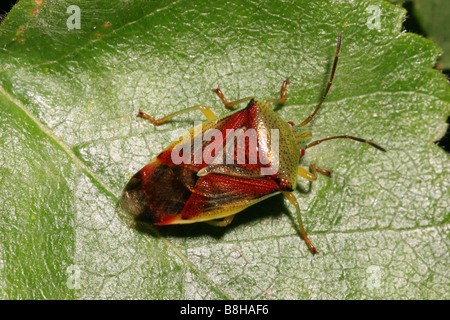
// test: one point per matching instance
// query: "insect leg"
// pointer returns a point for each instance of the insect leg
(315, 168)
(206, 111)
(290, 196)
(221, 223)
(283, 94)
(302, 172)
(232, 103)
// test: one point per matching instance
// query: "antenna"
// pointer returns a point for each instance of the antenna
(315, 143)
(333, 70)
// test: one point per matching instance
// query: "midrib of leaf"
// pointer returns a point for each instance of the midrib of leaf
(80, 164)
(55, 138)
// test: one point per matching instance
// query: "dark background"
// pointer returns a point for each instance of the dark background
(410, 25)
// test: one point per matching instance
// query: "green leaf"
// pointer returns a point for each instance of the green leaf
(69, 142)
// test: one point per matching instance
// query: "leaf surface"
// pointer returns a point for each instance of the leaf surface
(69, 142)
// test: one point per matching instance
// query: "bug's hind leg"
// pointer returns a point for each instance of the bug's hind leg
(204, 109)
(232, 103)
(221, 223)
(283, 98)
(290, 196)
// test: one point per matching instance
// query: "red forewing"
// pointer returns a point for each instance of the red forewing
(244, 119)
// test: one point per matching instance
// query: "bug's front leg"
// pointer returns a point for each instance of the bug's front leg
(283, 94)
(232, 103)
(204, 109)
(290, 196)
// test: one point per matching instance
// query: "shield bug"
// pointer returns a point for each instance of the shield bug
(235, 161)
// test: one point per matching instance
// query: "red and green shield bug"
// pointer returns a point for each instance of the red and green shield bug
(235, 161)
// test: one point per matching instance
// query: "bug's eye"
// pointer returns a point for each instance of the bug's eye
(290, 123)
(302, 152)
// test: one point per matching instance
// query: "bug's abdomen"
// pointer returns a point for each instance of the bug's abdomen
(158, 192)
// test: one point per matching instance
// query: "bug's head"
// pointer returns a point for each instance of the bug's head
(302, 137)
